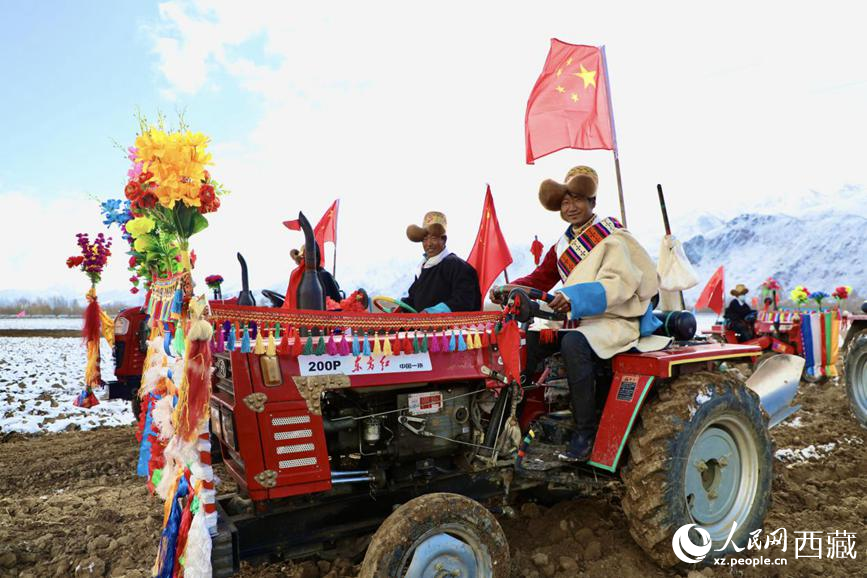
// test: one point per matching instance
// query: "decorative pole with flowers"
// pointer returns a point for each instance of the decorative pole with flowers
(841, 293)
(92, 261)
(818, 297)
(800, 295)
(214, 282)
(170, 192)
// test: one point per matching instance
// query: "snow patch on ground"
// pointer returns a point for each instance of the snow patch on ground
(794, 422)
(39, 379)
(814, 452)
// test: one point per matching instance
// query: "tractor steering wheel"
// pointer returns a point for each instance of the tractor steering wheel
(390, 304)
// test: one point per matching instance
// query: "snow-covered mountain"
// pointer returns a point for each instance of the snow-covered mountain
(822, 251)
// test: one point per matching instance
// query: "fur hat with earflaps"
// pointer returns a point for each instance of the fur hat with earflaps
(739, 290)
(581, 180)
(434, 223)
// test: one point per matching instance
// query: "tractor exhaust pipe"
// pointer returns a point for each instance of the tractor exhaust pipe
(310, 292)
(776, 382)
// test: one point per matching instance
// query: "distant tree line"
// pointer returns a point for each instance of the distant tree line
(55, 305)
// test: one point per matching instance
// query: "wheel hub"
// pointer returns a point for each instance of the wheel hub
(443, 556)
(713, 476)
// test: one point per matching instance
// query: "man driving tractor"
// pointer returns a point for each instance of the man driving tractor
(444, 283)
(608, 281)
(740, 316)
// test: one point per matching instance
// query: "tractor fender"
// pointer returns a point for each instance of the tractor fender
(776, 382)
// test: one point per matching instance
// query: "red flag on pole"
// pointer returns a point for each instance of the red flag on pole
(490, 254)
(326, 228)
(712, 295)
(569, 105)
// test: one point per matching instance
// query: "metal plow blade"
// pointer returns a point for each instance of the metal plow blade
(776, 382)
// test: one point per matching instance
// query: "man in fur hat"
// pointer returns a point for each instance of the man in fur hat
(740, 316)
(444, 282)
(608, 281)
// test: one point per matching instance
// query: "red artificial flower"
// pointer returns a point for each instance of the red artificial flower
(133, 280)
(133, 290)
(132, 261)
(145, 177)
(147, 201)
(132, 191)
(74, 261)
(207, 177)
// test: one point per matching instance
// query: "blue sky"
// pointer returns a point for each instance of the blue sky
(81, 70)
(398, 110)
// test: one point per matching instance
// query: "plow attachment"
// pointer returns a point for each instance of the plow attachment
(776, 382)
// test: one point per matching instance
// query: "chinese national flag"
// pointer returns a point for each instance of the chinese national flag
(326, 228)
(712, 295)
(490, 254)
(569, 106)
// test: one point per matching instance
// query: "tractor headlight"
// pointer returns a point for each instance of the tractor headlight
(121, 326)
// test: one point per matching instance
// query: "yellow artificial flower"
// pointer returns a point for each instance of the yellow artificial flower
(139, 226)
(177, 160)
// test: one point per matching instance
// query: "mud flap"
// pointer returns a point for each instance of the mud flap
(776, 383)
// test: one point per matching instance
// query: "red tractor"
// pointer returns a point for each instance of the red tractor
(130, 347)
(776, 331)
(325, 447)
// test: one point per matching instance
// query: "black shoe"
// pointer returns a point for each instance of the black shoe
(580, 447)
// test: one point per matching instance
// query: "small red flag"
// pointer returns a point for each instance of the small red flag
(326, 228)
(712, 295)
(569, 106)
(536, 249)
(490, 254)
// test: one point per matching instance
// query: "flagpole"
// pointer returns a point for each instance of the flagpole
(614, 138)
(334, 261)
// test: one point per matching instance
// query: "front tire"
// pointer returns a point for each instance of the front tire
(441, 534)
(700, 455)
(856, 379)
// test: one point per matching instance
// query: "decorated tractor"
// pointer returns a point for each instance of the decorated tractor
(855, 354)
(335, 424)
(131, 332)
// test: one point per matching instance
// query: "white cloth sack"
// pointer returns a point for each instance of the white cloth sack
(675, 270)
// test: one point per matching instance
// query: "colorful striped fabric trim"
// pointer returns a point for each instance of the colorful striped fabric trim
(781, 316)
(820, 332)
(581, 245)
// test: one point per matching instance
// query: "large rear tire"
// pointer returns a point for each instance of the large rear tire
(856, 379)
(700, 455)
(438, 535)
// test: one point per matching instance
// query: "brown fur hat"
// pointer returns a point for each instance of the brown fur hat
(434, 223)
(581, 180)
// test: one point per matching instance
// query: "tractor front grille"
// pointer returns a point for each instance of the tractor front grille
(223, 375)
